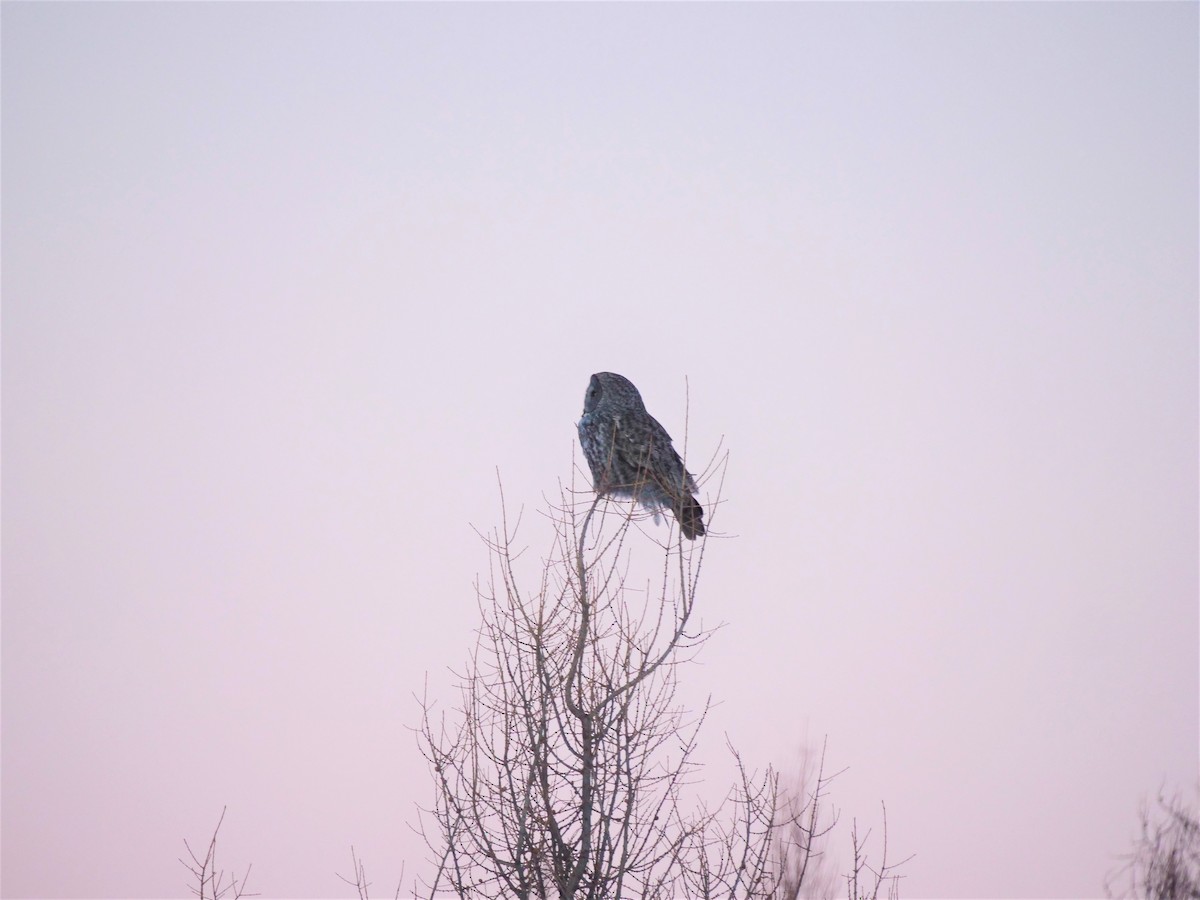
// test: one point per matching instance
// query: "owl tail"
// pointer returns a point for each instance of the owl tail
(691, 517)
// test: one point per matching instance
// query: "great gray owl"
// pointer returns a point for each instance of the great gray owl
(630, 454)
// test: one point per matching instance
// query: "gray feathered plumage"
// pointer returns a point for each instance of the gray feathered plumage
(630, 453)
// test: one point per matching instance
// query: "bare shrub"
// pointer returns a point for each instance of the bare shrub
(1165, 861)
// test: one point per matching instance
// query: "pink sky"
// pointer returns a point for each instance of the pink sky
(284, 286)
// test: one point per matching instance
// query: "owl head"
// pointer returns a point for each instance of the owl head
(610, 391)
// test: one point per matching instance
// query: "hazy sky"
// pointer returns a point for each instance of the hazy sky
(285, 285)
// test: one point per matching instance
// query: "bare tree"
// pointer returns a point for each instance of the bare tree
(562, 771)
(210, 881)
(1165, 861)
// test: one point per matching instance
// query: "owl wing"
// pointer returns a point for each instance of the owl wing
(647, 460)
(661, 479)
